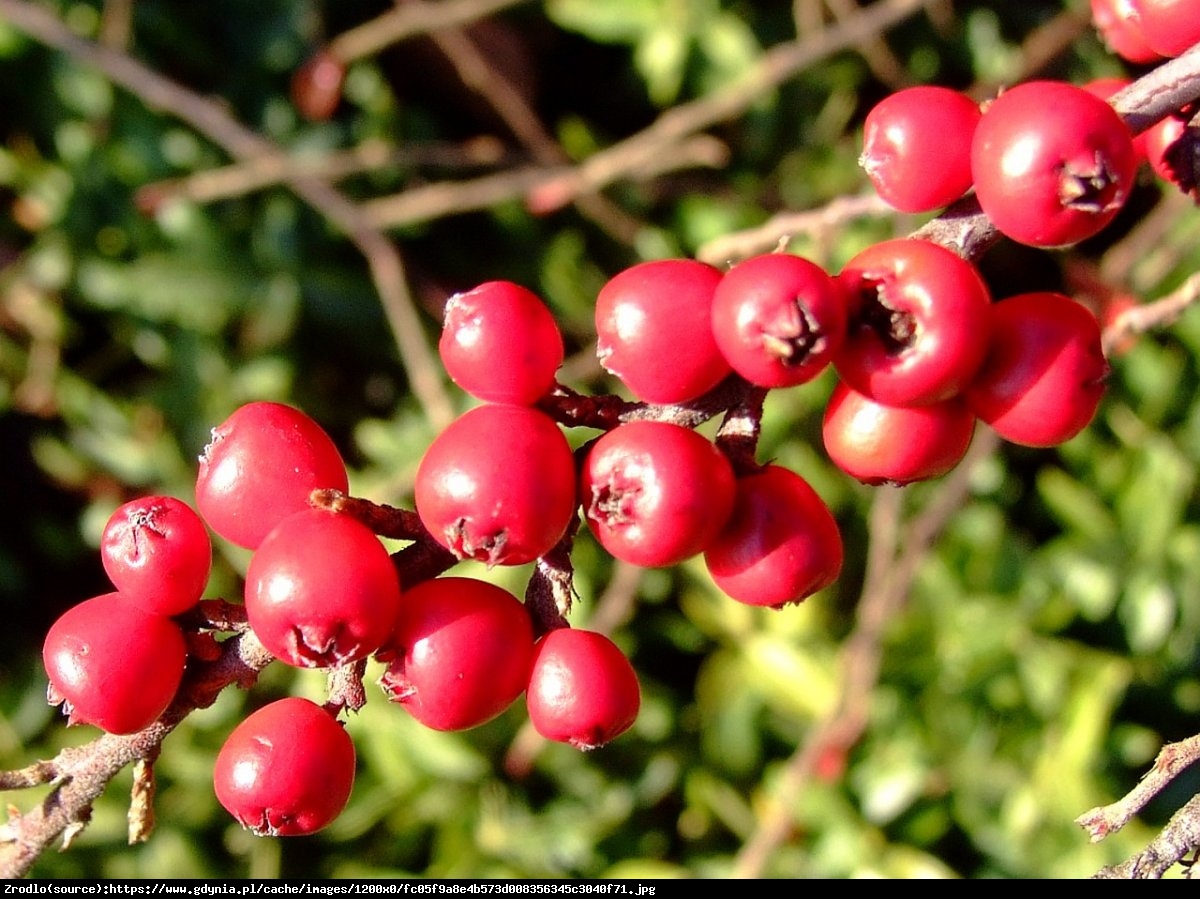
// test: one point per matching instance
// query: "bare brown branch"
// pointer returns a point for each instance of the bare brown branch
(410, 20)
(211, 119)
(1173, 844)
(649, 147)
(1172, 759)
(1151, 316)
(81, 773)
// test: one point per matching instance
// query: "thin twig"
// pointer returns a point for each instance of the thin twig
(1158, 314)
(786, 226)
(211, 119)
(1120, 261)
(875, 51)
(410, 20)
(1180, 837)
(80, 773)
(260, 172)
(476, 70)
(1172, 759)
(889, 577)
(648, 147)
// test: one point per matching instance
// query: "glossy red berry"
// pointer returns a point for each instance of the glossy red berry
(500, 343)
(157, 552)
(918, 320)
(286, 770)
(780, 545)
(497, 485)
(654, 330)
(778, 319)
(1052, 163)
(261, 465)
(1169, 26)
(1114, 20)
(655, 493)
(582, 689)
(321, 590)
(917, 147)
(460, 654)
(113, 664)
(1044, 376)
(879, 444)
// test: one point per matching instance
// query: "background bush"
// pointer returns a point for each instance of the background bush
(1044, 650)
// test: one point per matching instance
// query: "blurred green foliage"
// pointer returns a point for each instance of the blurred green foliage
(1046, 650)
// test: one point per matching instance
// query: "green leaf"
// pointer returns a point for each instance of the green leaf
(613, 21)
(1075, 505)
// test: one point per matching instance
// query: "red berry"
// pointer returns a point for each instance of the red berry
(1168, 144)
(654, 330)
(157, 553)
(460, 654)
(880, 444)
(918, 322)
(780, 545)
(321, 590)
(582, 690)
(1052, 163)
(1169, 26)
(500, 343)
(1044, 377)
(917, 147)
(261, 466)
(317, 86)
(113, 664)
(778, 319)
(655, 493)
(1114, 20)
(497, 485)
(286, 770)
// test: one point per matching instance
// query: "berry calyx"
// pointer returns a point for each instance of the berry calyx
(655, 493)
(157, 553)
(582, 689)
(286, 770)
(321, 590)
(778, 319)
(497, 485)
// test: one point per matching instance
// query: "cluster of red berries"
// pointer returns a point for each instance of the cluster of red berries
(1145, 31)
(501, 483)
(1051, 163)
(321, 591)
(1050, 166)
(921, 352)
